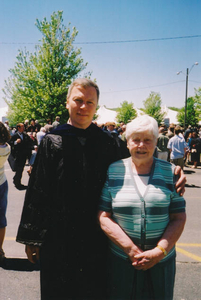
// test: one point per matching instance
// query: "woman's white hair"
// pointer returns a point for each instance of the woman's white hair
(141, 124)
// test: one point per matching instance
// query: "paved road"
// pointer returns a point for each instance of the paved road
(19, 279)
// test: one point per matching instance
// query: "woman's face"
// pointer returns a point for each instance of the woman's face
(142, 146)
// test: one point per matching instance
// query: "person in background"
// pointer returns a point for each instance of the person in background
(56, 123)
(26, 125)
(48, 128)
(162, 143)
(195, 149)
(7, 125)
(21, 148)
(49, 122)
(59, 218)
(4, 153)
(32, 126)
(111, 128)
(143, 217)
(32, 159)
(187, 133)
(177, 147)
(38, 126)
(121, 132)
(32, 134)
(170, 132)
(199, 132)
(40, 135)
(111, 131)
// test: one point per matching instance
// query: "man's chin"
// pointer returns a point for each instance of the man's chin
(141, 154)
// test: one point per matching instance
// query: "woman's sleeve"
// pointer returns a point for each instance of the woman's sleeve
(105, 198)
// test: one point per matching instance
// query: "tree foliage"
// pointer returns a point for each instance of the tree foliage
(174, 108)
(38, 83)
(126, 112)
(192, 113)
(197, 99)
(152, 107)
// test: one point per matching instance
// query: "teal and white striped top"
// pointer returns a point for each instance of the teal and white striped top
(143, 218)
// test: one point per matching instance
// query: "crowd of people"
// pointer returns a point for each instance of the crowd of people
(174, 144)
(88, 184)
(181, 147)
(24, 142)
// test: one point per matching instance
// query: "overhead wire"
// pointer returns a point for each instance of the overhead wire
(139, 40)
(112, 42)
(143, 88)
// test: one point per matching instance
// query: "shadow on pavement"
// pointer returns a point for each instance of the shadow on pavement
(188, 171)
(19, 264)
(192, 186)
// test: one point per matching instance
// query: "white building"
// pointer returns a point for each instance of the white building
(107, 115)
(3, 113)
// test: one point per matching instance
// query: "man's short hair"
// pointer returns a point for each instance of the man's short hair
(19, 125)
(84, 82)
(111, 124)
(177, 129)
(172, 127)
(162, 129)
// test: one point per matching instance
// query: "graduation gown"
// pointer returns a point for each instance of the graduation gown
(60, 211)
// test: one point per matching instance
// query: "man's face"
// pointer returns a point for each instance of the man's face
(111, 127)
(82, 105)
(21, 128)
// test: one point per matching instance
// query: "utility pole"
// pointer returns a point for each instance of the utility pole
(186, 98)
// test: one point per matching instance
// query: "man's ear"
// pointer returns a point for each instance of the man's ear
(67, 106)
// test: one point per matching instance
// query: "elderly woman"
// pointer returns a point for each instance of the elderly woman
(143, 217)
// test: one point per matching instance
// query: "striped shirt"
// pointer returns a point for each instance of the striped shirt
(145, 217)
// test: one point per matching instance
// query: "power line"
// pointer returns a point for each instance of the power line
(138, 41)
(143, 88)
(112, 42)
(195, 81)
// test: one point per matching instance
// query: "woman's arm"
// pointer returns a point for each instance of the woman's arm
(173, 231)
(116, 234)
(148, 259)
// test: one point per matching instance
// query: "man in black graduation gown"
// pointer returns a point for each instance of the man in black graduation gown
(21, 148)
(59, 219)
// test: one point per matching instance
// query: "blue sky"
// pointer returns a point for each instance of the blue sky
(124, 71)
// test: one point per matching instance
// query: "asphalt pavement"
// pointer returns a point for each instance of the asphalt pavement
(20, 280)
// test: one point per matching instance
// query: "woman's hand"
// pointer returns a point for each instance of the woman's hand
(32, 253)
(133, 252)
(147, 259)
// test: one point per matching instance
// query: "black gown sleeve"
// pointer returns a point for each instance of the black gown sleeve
(38, 209)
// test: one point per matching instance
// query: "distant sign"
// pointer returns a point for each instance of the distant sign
(167, 122)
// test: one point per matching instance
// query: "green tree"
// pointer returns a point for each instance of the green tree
(152, 107)
(39, 81)
(126, 112)
(174, 108)
(197, 99)
(192, 113)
